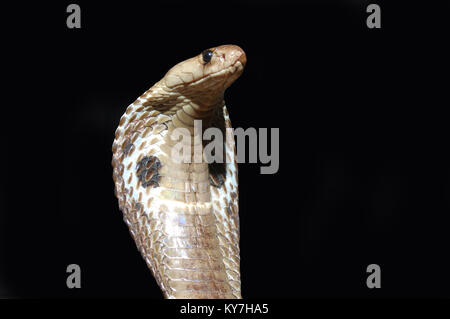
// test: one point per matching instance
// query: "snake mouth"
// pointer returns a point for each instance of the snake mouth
(233, 70)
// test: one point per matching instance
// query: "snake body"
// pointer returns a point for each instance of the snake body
(183, 216)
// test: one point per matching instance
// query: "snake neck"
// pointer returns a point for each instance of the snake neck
(186, 110)
(183, 105)
(169, 100)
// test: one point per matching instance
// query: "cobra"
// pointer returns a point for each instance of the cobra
(183, 216)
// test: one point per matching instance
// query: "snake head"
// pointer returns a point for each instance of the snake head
(208, 74)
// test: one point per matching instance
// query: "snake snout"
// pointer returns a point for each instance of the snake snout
(242, 57)
(232, 53)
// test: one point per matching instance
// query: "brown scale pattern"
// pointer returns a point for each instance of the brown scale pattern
(182, 216)
(202, 260)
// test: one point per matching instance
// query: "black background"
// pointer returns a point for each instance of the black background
(364, 162)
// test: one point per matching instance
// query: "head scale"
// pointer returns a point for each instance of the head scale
(208, 74)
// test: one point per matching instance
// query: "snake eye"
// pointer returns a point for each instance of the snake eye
(207, 55)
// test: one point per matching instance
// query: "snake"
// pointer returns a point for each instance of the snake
(183, 214)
